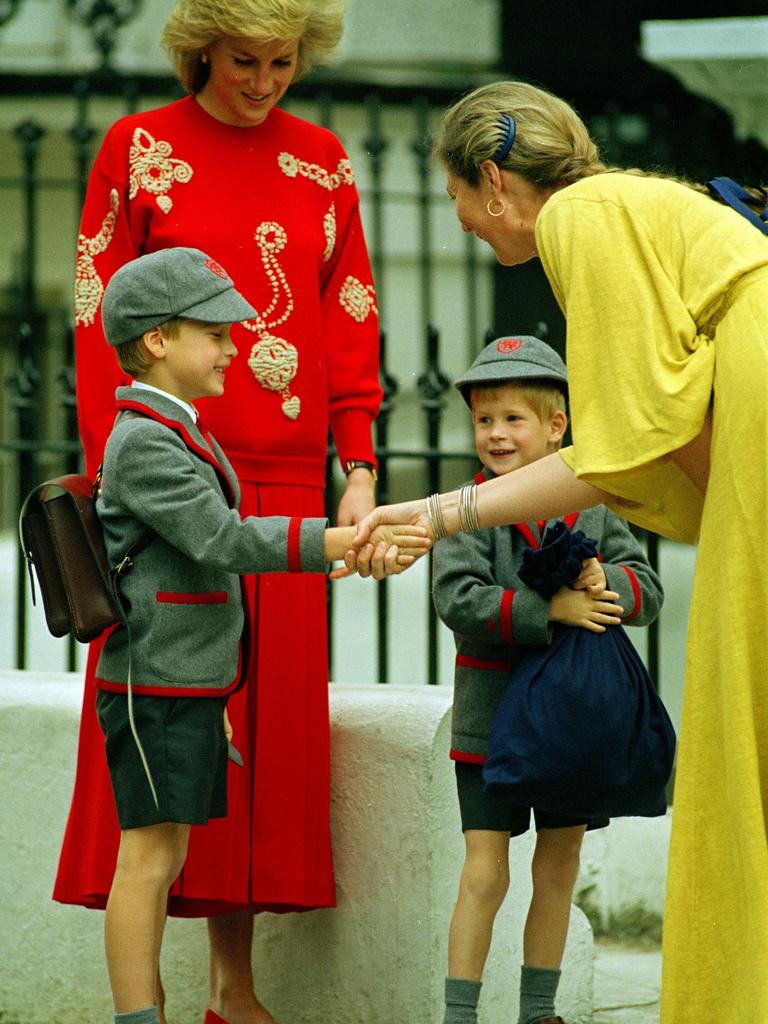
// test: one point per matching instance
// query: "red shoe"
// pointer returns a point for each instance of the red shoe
(213, 1018)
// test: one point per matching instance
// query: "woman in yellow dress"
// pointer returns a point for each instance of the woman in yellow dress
(665, 294)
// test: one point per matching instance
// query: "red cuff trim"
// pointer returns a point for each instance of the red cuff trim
(168, 597)
(505, 616)
(465, 661)
(461, 755)
(635, 593)
(294, 544)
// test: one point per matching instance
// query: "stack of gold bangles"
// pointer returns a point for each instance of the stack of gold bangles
(467, 509)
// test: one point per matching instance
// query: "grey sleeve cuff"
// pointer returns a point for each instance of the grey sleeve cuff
(617, 579)
(530, 618)
(311, 544)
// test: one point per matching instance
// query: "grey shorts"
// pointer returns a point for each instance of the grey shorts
(497, 814)
(186, 750)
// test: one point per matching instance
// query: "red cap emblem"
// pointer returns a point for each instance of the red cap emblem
(508, 344)
(216, 268)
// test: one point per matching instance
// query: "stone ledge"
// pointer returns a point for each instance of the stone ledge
(378, 958)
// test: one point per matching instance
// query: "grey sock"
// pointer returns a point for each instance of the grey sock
(148, 1016)
(538, 986)
(461, 996)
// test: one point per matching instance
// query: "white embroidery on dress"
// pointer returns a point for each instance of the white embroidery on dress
(88, 285)
(329, 226)
(273, 360)
(153, 169)
(290, 165)
(358, 299)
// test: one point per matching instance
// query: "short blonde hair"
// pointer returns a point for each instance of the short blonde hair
(196, 24)
(545, 397)
(135, 358)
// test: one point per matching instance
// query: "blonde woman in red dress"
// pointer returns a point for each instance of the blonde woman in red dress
(273, 198)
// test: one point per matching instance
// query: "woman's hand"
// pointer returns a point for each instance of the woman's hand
(228, 731)
(358, 499)
(412, 512)
(389, 551)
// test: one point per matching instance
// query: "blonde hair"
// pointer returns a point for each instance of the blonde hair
(135, 358)
(545, 397)
(196, 24)
(552, 145)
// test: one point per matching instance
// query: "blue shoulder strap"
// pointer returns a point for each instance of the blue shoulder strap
(737, 198)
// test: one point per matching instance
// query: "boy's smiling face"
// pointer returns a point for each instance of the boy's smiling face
(192, 362)
(508, 431)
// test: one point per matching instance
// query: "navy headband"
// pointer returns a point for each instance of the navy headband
(509, 128)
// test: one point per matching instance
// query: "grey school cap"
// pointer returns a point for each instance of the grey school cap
(512, 359)
(156, 287)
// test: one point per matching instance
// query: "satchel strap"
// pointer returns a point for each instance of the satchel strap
(144, 539)
(737, 197)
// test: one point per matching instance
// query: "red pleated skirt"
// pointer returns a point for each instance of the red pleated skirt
(273, 850)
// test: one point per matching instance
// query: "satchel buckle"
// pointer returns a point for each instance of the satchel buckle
(124, 566)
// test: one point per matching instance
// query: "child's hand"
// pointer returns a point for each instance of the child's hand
(582, 608)
(591, 578)
(228, 731)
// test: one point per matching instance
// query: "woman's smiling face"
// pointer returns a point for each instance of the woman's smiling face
(246, 80)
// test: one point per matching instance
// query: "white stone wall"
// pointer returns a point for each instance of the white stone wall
(379, 957)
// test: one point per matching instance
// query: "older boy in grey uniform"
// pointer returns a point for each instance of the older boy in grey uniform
(164, 675)
(516, 389)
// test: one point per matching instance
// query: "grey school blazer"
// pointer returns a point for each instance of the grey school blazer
(494, 615)
(183, 598)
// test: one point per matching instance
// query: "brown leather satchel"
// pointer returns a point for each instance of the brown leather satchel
(61, 537)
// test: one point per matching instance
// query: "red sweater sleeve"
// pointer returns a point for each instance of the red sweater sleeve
(103, 245)
(351, 333)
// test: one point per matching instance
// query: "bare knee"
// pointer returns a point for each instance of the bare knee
(153, 855)
(555, 863)
(485, 876)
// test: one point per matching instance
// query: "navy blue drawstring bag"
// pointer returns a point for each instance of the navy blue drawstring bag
(580, 729)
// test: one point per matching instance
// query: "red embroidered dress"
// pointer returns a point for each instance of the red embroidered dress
(276, 205)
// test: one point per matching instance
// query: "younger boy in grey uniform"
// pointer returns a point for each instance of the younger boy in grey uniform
(516, 389)
(164, 676)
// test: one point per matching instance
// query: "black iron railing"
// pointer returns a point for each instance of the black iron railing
(38, 432)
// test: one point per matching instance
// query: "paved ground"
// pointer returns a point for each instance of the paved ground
(627, 983)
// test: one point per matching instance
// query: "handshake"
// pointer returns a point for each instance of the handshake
(385, 543)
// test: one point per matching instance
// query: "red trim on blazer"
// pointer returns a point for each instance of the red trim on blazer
(461, 755)
(528, 535)
(466, 661)
(168, 691)
(505, 616)
(294, 544)
(201, 451)
(531, 537)
(635, 592)
(214, 597)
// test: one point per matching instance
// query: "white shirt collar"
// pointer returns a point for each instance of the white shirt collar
(190, 409)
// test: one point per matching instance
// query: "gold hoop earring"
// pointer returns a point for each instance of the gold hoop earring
(490, 211)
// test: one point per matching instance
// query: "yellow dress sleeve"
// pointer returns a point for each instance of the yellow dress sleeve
(640, 376)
